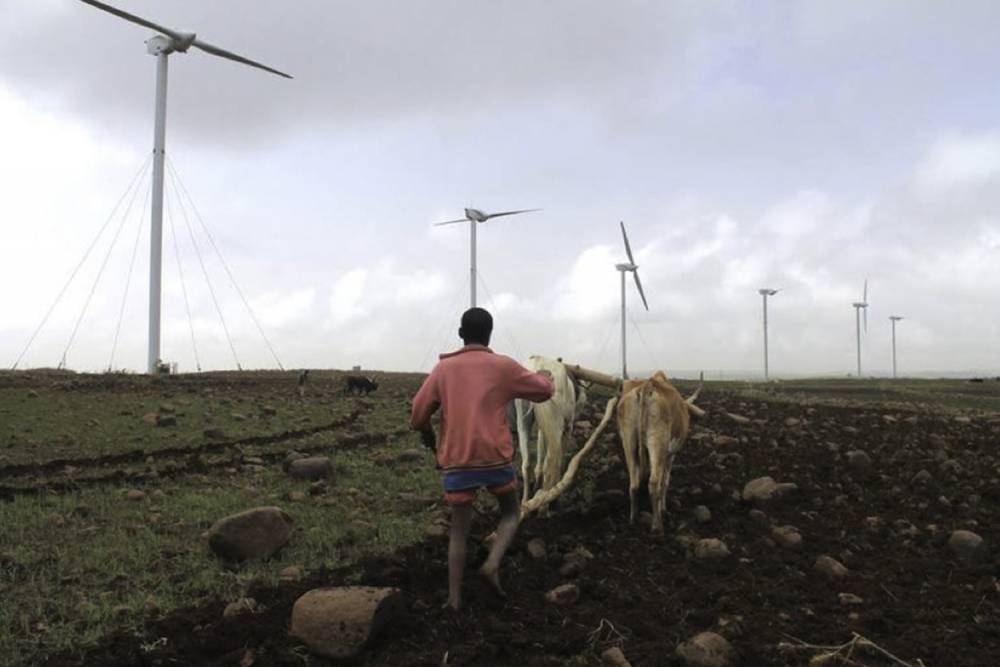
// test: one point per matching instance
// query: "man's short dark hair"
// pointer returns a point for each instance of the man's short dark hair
(477, 326)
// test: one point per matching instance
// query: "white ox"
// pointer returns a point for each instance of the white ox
(554, 419)
(653, 420)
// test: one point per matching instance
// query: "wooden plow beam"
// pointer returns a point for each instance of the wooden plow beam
(543, 497)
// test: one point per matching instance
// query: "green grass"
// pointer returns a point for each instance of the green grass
(77, 566)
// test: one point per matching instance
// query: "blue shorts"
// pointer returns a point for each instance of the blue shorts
(460, 486)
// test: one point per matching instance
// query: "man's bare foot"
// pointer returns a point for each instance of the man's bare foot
(491, 575)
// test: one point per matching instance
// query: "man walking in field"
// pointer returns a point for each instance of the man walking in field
(473, 386)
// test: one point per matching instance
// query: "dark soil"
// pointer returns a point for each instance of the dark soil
(647, 594)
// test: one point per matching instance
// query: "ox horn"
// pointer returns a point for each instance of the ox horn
(692, 408)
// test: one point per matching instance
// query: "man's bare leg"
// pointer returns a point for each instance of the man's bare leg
(510, 517)
(461, 521)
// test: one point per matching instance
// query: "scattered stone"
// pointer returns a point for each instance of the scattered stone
(241, 606)
(850, 599)
(238, 417)
(739, 419)
(32, 393)
(759, 518)
(253, 460)
(921, 478)
(166, 420)
(706, 649)
(317, 488)
(296, 496)
(613, 657)
(314, 467)
(963, 420)
(339, 622)
(215, 433)
(702, 514)
(565, 594)
(726, 440)
(290, 573)
(268, 410)
(150, 418)
(255, 533)
(536, 548)
(765, 489)
(951, 467)
(135, 495)
(290, 458)
(788, 537)
(167, 409)
(792, 421)
(151, 606)
(710, 548)
(965, 544)
(830, 567)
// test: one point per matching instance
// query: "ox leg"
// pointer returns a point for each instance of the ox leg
(541, 452)
(524, 444)
(553, 457)
(630, 442)
(658, 460)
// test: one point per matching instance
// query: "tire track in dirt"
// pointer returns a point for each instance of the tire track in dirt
(137, 455)
(193, 465)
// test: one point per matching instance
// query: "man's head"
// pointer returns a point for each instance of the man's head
(476, 327)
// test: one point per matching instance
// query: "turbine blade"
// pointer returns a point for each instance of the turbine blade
(222, 53)
(133, 18)
(503, 213)
(865, 298)
(450, 222)
(638, 284)
(628, 248)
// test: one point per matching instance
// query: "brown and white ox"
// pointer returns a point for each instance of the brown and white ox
(554, 420)
(653, 420)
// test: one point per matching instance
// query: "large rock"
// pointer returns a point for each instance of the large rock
(613, 657)
(339, 622)
(255, 533)
(765, 489)
(313, 467)
(710, 548)
(965, 544)
(707, 649)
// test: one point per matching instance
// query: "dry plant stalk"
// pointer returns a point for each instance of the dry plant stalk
(844, 653)
(544, 497)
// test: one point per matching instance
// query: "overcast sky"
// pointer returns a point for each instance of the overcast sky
(802, 145)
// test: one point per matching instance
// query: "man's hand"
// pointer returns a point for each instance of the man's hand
(428, 439)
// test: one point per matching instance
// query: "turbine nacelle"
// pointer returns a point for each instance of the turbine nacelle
(859, 304)
(178, 43)
(475, 215)
(767, 291)
(626, 267)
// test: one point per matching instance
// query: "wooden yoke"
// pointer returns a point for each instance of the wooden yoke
(543, 498)
(587, 375)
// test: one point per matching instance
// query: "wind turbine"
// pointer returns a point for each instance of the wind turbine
(633, 268)
(894, 319)
(474, 216)
(766, 292)
(858, 307)
(162, 45)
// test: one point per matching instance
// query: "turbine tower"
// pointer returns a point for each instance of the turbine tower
(894, 319)
(162, 45)
(633, 268)
(764, 293)
(474, 216)
(860, 306)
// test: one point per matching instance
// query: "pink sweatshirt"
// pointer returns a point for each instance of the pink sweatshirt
(473, 387)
